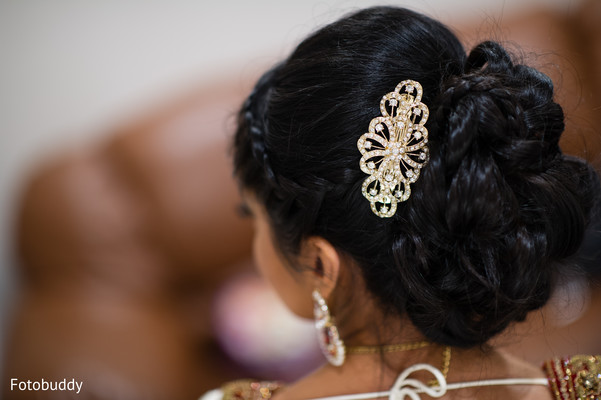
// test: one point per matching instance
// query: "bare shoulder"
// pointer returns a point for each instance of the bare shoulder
(570, 378)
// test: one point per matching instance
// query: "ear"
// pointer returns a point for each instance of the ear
(324, 262)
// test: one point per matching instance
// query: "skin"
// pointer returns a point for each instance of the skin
(359, 322)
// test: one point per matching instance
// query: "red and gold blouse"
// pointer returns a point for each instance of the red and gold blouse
(575, 378)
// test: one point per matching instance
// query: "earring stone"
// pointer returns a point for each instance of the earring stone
(330, 342)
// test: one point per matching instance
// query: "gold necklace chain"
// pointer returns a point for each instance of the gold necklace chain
(446, 361)
(446, 364)
(391, 348)
(387, 348)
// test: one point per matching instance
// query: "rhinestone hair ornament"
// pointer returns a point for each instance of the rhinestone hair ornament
(394, 150)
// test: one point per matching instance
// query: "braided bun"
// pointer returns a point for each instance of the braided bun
(504, 203)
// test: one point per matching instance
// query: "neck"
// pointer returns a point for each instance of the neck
(361, 320)
(386, 343)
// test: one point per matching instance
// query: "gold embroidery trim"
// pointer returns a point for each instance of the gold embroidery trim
(247, 389)
(575, 378)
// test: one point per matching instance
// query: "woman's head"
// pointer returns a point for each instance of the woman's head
(495, 209)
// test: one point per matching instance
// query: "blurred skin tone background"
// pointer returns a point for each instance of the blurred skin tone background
(122, 258)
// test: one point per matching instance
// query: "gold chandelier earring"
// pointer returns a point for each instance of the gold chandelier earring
(330, 342)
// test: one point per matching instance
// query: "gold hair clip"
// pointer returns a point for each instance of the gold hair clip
(395, 148)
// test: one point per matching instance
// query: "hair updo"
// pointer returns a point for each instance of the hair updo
(494, 212)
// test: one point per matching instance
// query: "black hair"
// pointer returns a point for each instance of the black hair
(495, 212)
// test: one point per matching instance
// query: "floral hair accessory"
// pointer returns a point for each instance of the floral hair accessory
(395, 148)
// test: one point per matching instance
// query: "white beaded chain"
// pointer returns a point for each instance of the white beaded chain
(411, 389)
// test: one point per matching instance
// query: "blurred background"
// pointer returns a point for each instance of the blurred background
(122, 258)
